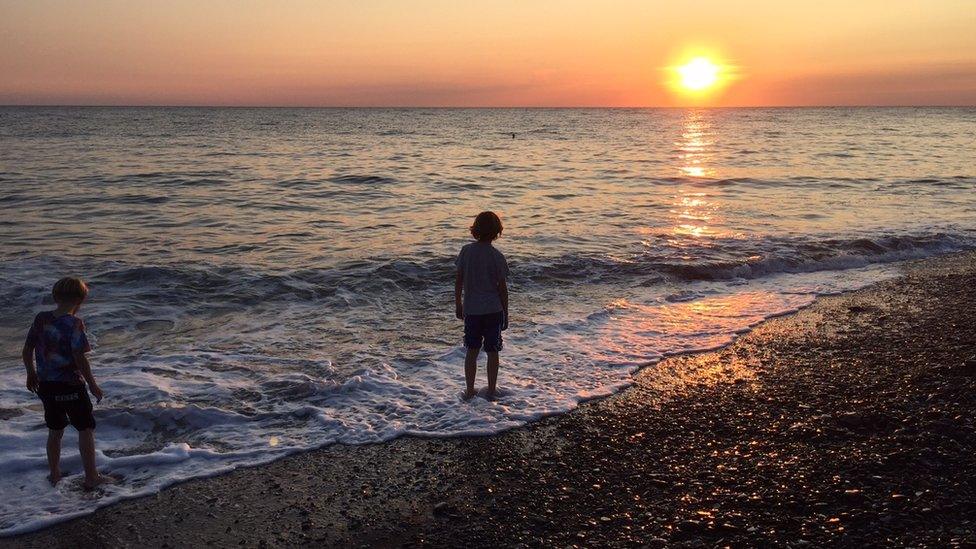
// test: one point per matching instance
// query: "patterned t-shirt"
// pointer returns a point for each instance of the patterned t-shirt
(55, 341)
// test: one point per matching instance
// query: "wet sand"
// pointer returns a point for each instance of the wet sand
(849, 423)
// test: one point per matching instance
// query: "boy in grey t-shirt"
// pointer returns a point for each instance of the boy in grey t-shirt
(481, 274)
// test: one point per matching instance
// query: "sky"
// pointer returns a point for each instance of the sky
(491, 53)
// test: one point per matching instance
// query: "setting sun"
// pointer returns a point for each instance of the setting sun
(698, 74)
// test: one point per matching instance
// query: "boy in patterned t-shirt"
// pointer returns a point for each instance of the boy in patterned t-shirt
(58, 343)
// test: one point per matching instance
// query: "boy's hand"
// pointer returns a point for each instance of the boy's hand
(96, 391)
(458, 311)
(504, 320)
(32, 382)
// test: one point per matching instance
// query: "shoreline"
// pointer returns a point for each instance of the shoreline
(735, 445)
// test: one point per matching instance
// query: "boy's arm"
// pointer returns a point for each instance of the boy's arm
(458, 284)
(503, 294)
(28, 356)
(85, 367)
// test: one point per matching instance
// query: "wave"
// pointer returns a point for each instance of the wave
(750, 259)
(823, 255)
(954, 182)
(353, 179)
(725, 259)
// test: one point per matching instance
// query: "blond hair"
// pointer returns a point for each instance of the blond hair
(69, 289)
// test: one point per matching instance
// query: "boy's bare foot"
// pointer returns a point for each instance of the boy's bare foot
(491, 394)
(90, 484)
(54, 478)
(468, 395)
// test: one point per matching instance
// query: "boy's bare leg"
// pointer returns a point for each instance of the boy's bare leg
(54, 454)
(470, 370)
(492, 373)
(86, 445)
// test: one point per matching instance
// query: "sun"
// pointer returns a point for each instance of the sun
(698, 74)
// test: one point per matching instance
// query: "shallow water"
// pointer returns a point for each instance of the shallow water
(271, 280)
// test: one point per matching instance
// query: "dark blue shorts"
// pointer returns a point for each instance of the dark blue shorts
(483, 331)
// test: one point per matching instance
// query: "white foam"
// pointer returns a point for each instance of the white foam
(203, 411)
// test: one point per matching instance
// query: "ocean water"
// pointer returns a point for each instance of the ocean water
(266, 281)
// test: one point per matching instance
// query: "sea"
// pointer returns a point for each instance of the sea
(268, 281)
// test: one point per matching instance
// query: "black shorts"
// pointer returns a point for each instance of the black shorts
(66, 403)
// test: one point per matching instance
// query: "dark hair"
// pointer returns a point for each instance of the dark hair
(69, 289)
(486, 227)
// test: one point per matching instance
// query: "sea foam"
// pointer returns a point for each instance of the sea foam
(169, 417)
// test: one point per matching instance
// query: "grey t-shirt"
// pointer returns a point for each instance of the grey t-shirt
(483, 268)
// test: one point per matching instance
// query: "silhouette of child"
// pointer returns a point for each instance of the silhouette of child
(481, 280)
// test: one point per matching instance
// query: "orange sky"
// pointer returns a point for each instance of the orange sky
(483, 53)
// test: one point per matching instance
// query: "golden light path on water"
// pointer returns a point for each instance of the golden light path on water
(693, 147)
(696, 221)
(695, 213)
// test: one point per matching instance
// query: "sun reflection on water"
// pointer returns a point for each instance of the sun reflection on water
(705, 322)
(694, 150)
(695, 216)
(694, 222)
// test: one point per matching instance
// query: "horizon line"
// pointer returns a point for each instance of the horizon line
(482, 107)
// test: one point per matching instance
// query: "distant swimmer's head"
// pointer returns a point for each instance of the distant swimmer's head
(69, 291)
(487, 226)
